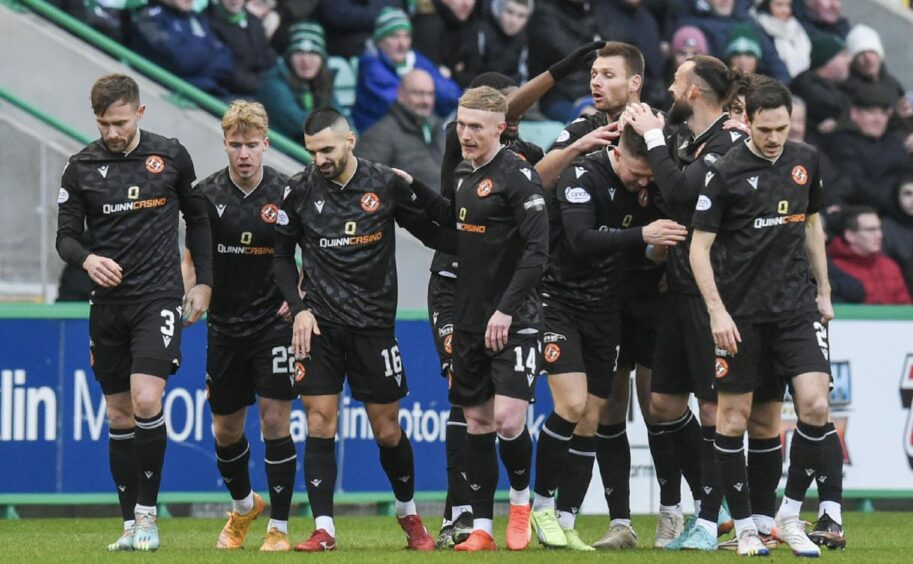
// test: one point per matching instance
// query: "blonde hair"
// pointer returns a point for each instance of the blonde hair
(484, 98)
(245, 116)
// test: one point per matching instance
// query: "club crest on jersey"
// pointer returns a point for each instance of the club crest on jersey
(721, 368)
(552, 353)
(448, 344)
(370, 202)
(643, 197)
(800, 175)
(300, 372)
(155, 164)
(269, 213)
(484, 188)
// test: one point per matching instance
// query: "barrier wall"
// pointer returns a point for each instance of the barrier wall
(53, 435)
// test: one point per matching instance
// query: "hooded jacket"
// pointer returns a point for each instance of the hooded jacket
(879, 274)
(447, 41)
(897, 227)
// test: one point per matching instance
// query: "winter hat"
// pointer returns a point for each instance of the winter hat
(743, 41)
(689, 36)
(875, 95)
(307, 37)
(389, 21)
(862, 38)
(824, 48)
(497, 6)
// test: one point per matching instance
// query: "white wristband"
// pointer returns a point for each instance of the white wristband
(654, 138)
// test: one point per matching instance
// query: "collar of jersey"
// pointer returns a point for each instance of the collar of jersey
(138, 141)
(760, 156)
(723, 117)
(252, 190)
(343, 186)
(475, 168)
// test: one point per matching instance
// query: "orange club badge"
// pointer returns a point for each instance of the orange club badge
(800, 175)
(370, 202)
(721, 368)
(552, 353)
(643, 197)
(269, 213)
(299, 371)
(155, 164)
(485, 188)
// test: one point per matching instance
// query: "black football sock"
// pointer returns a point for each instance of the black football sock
(765, 465)
(830, 467)
(482, 473)
(805, 451)
(730, 454)
(551, 452)
(281, 459)
(458, 493)
(687, 438)
(517, 458)
(576, 473)
(613, 452)
(150, 440)
(232, 461)
(399, 465)
(122, 460)
(711, 490)
(320, 474)
(665, 464)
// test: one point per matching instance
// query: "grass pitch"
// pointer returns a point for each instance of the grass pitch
(872, 537)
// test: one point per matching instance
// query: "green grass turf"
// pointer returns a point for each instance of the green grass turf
(872, 537)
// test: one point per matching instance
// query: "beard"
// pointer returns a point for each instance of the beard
(680, 112)
(337, 168)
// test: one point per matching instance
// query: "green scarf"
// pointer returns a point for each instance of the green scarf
(239, 19)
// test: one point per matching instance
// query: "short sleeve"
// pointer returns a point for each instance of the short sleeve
(708, 212)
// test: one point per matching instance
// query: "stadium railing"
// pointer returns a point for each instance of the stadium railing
(179, 87)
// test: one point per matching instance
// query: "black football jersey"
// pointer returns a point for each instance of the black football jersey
(758, 208)
(678, 170)
(245, 297)
(348, 244)
(502, 225)
(601, 220)
(580, 127)
(443, 263)
(130, 204)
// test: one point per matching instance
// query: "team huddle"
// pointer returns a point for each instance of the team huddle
(686, 246)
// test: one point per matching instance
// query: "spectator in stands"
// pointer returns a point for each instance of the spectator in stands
(789, 37)
(448, 34)
(718, 25)
(858, 252)
(410, 136)
(270, 17)
(823, 83)
(299, 83)
(687, 41)
(242, 32)
(866, 152)
(108, 18)
(823, 17)
(503, 39)
(178, 39)
(389, 57)
(629, 21)
(556, 28)
(743, 53)
(897, 226)
(349, 23)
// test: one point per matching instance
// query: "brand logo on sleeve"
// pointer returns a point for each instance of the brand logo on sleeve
(576, 195)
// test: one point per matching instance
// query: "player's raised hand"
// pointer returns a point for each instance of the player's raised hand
(664, 232)
(725, 333)
(580, 58)
(597, 139)
(103, 271)
(497, 332)
(402, 174)
(304, 326)
(639, 116)
(196, 303)
(737, 124)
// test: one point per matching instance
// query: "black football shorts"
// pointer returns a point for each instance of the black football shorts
(136, 338)
(480, 373)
